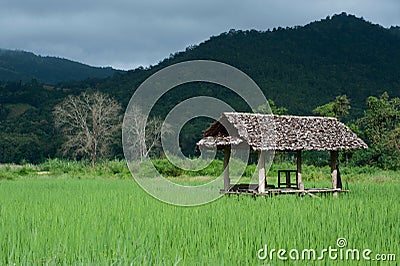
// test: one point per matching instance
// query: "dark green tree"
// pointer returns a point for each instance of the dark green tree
(381, 129)
(270, 107)
(338, 108)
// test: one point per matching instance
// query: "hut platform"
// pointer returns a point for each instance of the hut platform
(252, 190)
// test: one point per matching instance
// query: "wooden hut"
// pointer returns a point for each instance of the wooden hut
(266, 132)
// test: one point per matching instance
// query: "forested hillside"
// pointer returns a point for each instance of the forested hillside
(25, 66)
(299, 68)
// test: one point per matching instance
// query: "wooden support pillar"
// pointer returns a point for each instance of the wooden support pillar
(261, 172)
(227, 155)
(299, 178)
(334, 173)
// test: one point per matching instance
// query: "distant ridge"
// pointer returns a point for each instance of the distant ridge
(299, 67)
(17, 65)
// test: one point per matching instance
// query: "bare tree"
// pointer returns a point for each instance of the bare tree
(89, 122)
(142, 134)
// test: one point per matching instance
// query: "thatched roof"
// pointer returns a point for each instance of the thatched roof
(275, 132)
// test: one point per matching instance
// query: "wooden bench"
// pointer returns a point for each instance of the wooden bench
(286, 183)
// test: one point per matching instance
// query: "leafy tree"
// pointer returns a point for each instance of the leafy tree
(338, 108)
(394, 138)
(88, 122)
(341, 106)
(325, 110)
(18, 147)
(381, 127)
(270, 107)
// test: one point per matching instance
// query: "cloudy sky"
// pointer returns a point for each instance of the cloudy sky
(125, 34)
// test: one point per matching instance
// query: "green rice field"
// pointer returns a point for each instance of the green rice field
(62, 219)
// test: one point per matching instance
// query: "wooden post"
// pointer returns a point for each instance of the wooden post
(227, 155)
(300, 184)
(334, 174)
(261, 172)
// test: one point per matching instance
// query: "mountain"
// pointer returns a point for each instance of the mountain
(24, 66)
(299, 68)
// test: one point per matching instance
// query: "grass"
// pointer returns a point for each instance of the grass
(112, 221)
(67, 216)
(56, 168)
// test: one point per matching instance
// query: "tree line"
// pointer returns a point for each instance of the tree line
(39, 128)
(89, 123)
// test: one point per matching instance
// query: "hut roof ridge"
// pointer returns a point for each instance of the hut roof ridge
(281, 132)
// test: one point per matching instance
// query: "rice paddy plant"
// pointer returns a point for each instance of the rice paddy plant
(112, 221)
